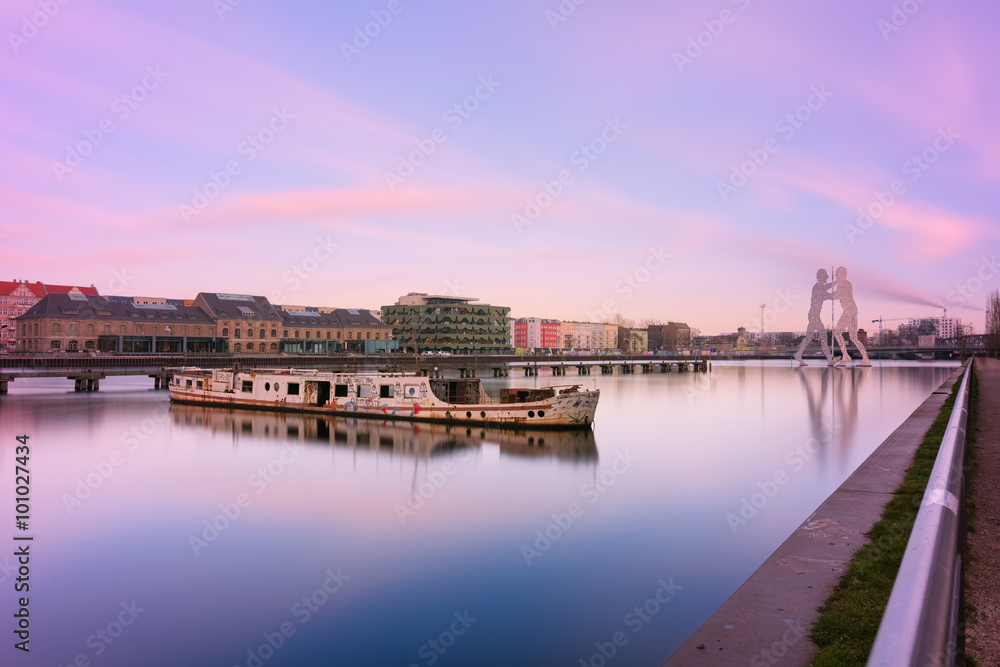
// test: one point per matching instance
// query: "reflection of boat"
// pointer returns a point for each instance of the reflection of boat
(414, 439)
(386, 396)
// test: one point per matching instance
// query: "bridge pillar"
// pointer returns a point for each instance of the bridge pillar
(3, 386)
(93, 385)
(78, 384)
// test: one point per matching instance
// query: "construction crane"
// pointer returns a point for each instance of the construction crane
(880, 320)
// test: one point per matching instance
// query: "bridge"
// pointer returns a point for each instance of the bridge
(87, 369)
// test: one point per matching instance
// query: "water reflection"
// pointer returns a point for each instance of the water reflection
(396, 437)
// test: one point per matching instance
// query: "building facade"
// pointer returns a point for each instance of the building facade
(18, 296)
(73, 322)
(429, 322)
(321, 330)
(944, 327)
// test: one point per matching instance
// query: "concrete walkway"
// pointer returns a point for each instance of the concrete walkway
(768, 619)
(982, 574)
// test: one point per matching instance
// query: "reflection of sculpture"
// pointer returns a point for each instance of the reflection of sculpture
(843, 291)
(820, 293)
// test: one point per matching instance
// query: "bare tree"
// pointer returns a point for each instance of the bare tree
(993, 323)
(651, 322)
(623, 321)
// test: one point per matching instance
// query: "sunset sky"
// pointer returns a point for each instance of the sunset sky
(684, 160)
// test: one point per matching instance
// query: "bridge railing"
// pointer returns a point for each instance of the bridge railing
(923, 621)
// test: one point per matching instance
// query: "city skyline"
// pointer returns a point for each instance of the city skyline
(571, 161)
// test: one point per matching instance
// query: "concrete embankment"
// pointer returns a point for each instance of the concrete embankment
(768, 619)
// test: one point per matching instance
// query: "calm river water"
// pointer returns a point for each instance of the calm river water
(171, 535)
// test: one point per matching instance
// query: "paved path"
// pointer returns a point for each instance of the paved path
(983, 571)
(768, 619)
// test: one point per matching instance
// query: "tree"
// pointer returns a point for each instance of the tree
(993, 323)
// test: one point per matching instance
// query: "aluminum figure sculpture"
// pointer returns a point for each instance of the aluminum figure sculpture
(843, 291)
(820, 294)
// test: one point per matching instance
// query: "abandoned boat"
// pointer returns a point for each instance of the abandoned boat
(386, 396)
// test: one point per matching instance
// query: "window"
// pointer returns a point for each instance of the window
(262, 334)
(284, 334)
(249, 347)
(307, 334)
(211, 331)
(55, 345)
(359, 335)
(293, 388)
(237, 348)
(107, 329)
(296, 333)
(90, 329)
(236, 333)
(350, 333)
(225, 332)
(122, 329)
(317, 335)
(274, 347)
(138, 330)
(247, 385)
(368, 335)
(328, 335)
(187, 383)
(385, 391)
(90, 345)
(364, 391)
(72, 345)
(376, 335)
(274, 333)
(338, 335)
(56, 329)
(340, 390)
(156, 329)
(197, 331)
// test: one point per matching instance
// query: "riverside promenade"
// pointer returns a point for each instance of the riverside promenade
(982, 575)
(767, 620)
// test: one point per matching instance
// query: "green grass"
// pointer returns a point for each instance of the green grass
(849, 620)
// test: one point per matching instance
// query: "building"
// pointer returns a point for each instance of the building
(669, 336)
(633, 340)
(944, 327)
(76, 321)
(18, 296)
(248, 323)
(431, 322)
(308, 329)
(535, 333)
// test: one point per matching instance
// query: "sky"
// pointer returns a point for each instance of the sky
(683, 161)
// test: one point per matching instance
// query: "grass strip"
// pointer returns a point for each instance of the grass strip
(848, 622)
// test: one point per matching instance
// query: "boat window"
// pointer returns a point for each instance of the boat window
(293, 388)
(385, 391)
(248, 385)
(267, 386)
(276, 386)
(411, 391)
(188, 383)
(340, 390)
(364, 391)
(200, 384)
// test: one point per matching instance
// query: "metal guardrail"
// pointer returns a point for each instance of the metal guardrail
(924, 619)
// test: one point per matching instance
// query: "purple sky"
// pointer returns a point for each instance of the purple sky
(321, 142)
